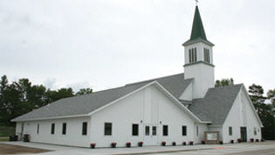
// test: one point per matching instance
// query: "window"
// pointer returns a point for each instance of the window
(206, 55)
(197, 130)
(64, 128)
(184, 130)
(154, 132)
(84, 128)
(255, 131)
(192, 55)
(37, 129)
(108, 129)
(52, 128)
(147, 130)
(165, 130)
(230, 131)
(135, 129)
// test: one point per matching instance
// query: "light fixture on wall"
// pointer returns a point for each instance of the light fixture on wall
(141, 121)
(160, 122)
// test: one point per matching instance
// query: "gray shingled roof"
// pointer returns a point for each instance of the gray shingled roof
(216, 104)
(85, 104)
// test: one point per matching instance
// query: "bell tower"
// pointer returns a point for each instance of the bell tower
(198, 58)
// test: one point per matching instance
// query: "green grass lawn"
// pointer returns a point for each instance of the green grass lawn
(6, 131)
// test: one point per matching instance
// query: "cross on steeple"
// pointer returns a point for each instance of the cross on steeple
(197, 1)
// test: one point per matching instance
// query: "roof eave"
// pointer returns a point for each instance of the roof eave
(193, 41)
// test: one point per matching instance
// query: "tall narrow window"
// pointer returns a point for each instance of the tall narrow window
(37, 129)
(84, 128)
(52, 128)
(192, 55)
(108, 129)
(165, 130)
(206, 55)
(135, 129)
(184, 130)
(197, 130)
(154, 130)
(255, 131)
(147, 130)
(64, 128)
(230, 130)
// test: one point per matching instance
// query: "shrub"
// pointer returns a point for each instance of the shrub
(93, 145)
(113, 144)
(174, 143)
(191, 142)
(140, 144)
(163, 143)
(128, 144)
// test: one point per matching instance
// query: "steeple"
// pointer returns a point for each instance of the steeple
(197, 33)
(197, 28)
(198, 57)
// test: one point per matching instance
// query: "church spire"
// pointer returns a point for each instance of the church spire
(197, 28)
(197, 33)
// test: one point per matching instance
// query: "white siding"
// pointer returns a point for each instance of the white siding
(148, 106)
(241, 115)
(73, 136)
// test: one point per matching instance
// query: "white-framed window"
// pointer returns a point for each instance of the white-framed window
(37, 129)
(52, 128)
(108, 129)
(165, 130)
(206, 55)
(230, 131)
(184, 130)
(84, 128)
(255, 131)
(192, 55)
(64, 128)
(134, 129)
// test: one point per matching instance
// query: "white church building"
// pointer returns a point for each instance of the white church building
(179, 108)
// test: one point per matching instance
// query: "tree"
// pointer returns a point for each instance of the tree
(3, 89)
(271, 96)
(263, 110)
(84, 91)
(224, 82)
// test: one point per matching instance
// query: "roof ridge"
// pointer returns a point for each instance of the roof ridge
(154, 79)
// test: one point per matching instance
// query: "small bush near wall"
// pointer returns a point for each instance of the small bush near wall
(140, 144)
(203, 142)
(174, 143)
(251, 139)
(163, 143)
(257, 140)
(93, 145)
(183, 143)
(232, 141)
(128, 144)
(221, 142)
(113, 144)
(239, 140)
(191, 143)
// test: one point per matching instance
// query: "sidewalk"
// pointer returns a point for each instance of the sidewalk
(65, 150)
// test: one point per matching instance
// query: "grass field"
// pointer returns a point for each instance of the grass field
(6, 131)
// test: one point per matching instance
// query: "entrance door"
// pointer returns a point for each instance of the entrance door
(243, 134)
(150, 134)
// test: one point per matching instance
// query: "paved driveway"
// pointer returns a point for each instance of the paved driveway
(182, 150)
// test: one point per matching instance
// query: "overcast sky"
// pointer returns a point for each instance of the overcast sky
(108, 43)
